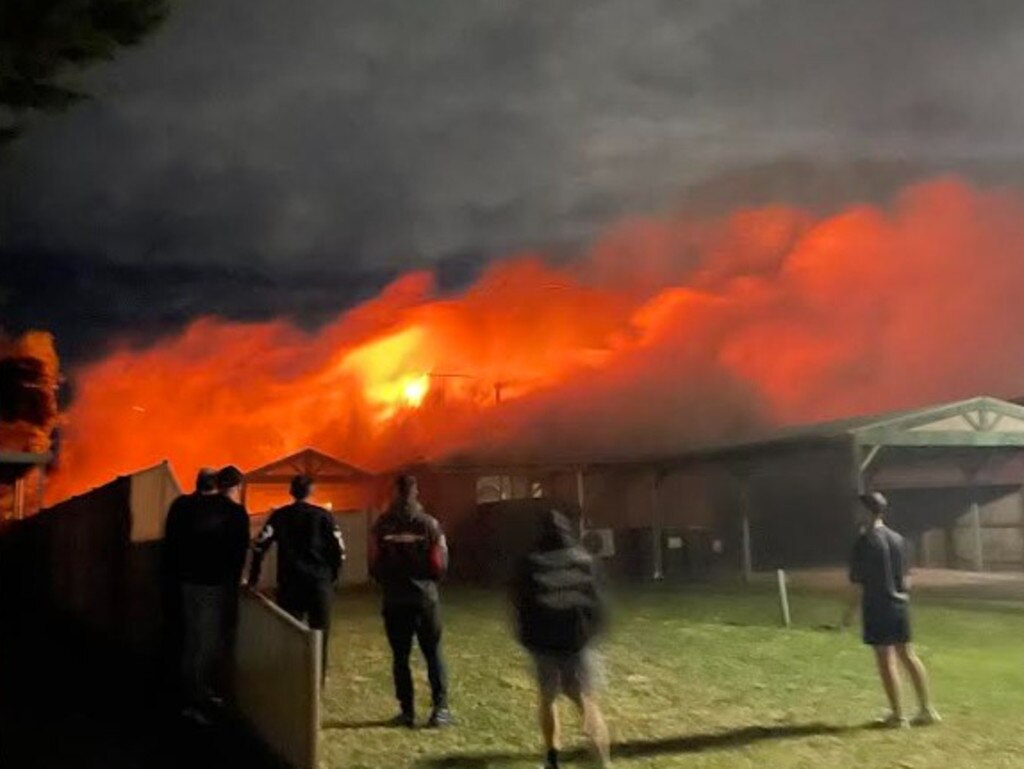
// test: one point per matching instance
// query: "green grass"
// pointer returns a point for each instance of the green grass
(696, 678)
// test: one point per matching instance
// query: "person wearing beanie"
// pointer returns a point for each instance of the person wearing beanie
(880, 566)
(408, 557)
(204, 549)
(310, 555)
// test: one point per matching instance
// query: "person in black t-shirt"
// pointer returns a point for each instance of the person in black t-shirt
(205, 540)
(880, 566)
(310, 554)
(408, 556)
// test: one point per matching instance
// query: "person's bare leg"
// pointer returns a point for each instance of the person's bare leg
(595, 727)
(549, 726)
(890, 682)
(918, 675)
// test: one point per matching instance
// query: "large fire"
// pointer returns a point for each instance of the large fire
(669, 332)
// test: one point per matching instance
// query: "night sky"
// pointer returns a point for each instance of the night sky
(256, 158)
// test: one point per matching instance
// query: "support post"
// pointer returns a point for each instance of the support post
(19, 499)
(659, 560)
(780, 575)
(580, 499)
(748, 567)
(979, 553)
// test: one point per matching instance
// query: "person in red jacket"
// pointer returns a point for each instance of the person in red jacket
(408, 557)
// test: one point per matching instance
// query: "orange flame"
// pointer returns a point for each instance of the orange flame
(670, 332)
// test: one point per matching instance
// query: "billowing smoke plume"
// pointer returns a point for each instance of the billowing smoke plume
(668, 333)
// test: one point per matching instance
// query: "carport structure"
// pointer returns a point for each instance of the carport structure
(953, 472)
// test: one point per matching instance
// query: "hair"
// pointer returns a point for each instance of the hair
(301, 487)
(554, 531)
(229, 477)
(206, 480)
(875, 502)
(405, 485)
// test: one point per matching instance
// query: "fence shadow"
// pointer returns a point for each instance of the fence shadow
(690, 743)
(336, 725)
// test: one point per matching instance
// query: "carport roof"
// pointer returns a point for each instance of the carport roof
(978, 422)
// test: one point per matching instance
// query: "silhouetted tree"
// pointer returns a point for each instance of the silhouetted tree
(43, 43)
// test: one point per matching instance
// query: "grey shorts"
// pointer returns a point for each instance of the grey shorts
(573, 675)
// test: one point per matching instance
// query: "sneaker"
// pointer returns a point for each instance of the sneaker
(892, 721)
(404, 719)
(927, 717)
(551, 761)
(440, 718)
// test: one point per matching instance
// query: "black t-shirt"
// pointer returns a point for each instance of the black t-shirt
(205, 539)
(309, 545)
(879, 564)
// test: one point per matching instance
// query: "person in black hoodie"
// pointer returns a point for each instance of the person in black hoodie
(205, 541)
(880, 566)
(560, 612)
(408, 557)
(310, 554)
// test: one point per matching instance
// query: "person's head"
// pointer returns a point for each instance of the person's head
(206, 481)
(301, 488)
(406, 488)
(229, 482)
(554, 531)
(875, 506)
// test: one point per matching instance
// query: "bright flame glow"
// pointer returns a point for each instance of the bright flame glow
(670, 332)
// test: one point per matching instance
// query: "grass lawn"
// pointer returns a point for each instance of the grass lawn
(696, 678)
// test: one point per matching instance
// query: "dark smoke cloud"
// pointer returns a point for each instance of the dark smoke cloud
(351, 140)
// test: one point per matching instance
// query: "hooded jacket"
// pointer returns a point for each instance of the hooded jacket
(408, 554)
(559, 606)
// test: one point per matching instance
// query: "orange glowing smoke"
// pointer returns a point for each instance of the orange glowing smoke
(669, 332)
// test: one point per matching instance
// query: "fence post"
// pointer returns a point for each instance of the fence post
(783, 596)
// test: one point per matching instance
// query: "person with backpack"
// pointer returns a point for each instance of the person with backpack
(310, 554)
(560, 613)
(408, 557)
(880, 566)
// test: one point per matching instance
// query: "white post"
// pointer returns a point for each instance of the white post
(748, 568)
(979, 555)
(783, 596)
(659, 564)
(580, 499)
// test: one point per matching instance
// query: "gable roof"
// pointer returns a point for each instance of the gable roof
(316, 464)
(982, 421)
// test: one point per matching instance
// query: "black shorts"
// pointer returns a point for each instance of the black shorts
(886, 625)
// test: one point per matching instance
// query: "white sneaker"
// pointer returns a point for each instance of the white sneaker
(892, 721)
(927, 717)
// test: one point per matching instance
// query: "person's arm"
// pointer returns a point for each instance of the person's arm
(171, 555)
(853, 594)
(239, 544)
(260, 546)
(335, 543)
(438, 555)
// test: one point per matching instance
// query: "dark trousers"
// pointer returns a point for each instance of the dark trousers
(402, 623)
(208, 613)
(311, 603)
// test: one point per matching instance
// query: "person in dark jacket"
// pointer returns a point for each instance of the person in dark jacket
(408, 557)
(560, 612)
(310, 554)
(880, 566)
(205, 542)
